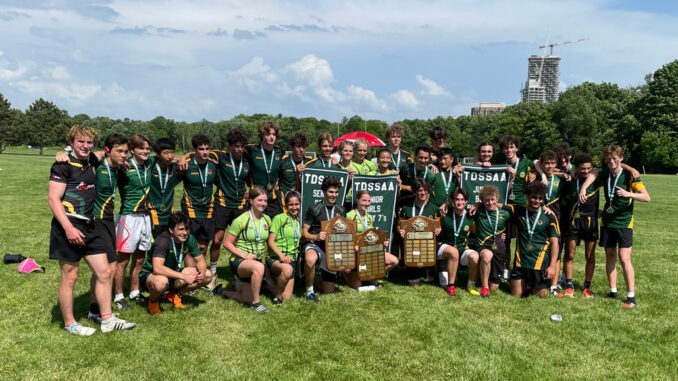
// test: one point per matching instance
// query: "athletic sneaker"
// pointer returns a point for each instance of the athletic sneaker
(175, 299)
(97, 317)
(554, 291)
(259, 307)
(277, 302)
(587, 293)
(312, 297)
(80, 330)
(450, 290)
(569, 292)
(154, 308)
(471, 288)
(485, 292)
(612, 295)
(630, 302)
(216, 291)
(122, 304)
(116, 324)
(139, 299)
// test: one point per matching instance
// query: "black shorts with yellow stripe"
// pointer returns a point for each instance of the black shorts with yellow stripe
(583, 228)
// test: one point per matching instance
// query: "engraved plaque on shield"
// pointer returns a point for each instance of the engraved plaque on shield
(420, 241)
(371, 250)
(339, 243)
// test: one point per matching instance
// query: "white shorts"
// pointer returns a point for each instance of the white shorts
(133, 232)
(441, 249)
(463, 260)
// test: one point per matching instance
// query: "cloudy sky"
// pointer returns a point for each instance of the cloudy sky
(384, 60)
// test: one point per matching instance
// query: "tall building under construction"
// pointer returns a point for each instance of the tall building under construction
(542, 79)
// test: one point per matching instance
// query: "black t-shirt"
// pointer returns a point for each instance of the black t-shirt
(80, 179)
(317, 213)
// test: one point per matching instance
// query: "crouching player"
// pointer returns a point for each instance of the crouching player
(456, 229)
(536, 255)
(162, 270)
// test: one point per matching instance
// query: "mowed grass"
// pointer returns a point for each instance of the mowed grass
(397, 332)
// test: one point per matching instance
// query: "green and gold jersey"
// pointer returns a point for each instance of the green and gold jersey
(288, 173)
(523, 168)
(574, 207)
(457, 238)
(367, 166)
(532, 251)
(318, 162)
(443, 185)
(232, 176)
(251, 234)
(265, 166)
(161, 195)
(198, 198)
(409, 173)
(287, 232)
(484, 223)
(363, 223)
(134, 186)
(400, 160)
(173, 252)
(106, 184)
(618, 211)
(387, 173)
(555, 187)
(79, 177)
(428, 210)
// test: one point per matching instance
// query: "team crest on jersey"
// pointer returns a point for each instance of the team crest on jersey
(540, 222)
(466, 228)
(555, 183)
(266, 227)
(522, 174)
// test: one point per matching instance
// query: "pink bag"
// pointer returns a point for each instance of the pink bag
(29, 266)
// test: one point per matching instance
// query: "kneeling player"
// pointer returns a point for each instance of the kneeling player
(456, 229)
(537, 249)
(162, 270)
(283, 241)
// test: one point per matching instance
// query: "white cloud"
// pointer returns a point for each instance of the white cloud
(430, 87)
(59, 72)
(316, 71)
(253, 73)
(405, 99)
(365, 96)
(8, 74)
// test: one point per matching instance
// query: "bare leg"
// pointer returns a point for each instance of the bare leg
(309, 267)
(102, 287)
(485, 263)
(611, 266)
(590, 254)
(627, 268)
(138, 261)
(119, 278)
(518, 287)
(69, 275)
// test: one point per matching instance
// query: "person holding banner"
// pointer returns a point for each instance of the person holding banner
(265, 159)
(324, 160)
(294, 164)
(246, 241)
(384, 164)
(421, 206)
(283, 242)
(456, 228)
(347, 163)
(360, 147)
(418, 170)
(489, 226)
(314, 248)
(485, 153)
(365, 221)
(621, 190)
(400, 158)
(446, 179)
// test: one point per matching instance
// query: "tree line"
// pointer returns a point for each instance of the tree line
(642, 119)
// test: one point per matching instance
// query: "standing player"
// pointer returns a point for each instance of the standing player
(133, 228)
(446, 178)
(417, 170)
(537, 247)
(583, 221)
(438, 135)
(283, 242)
(73, 235)
(265, 159)
(360, 147)
(399, 158)
(347, 163)
(519, 169)
(294, 164)
(621, 190)
(314, 248)
(384, 164)
(324, 158)
(456, 227)
(489, 226)
(164, 270)
(163, 180)
(232, 173)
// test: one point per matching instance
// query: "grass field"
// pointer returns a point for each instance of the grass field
(394, 333)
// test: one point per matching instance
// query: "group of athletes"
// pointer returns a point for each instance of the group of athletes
(246, 199)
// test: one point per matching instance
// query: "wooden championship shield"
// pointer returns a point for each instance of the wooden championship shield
(371, 250)
(420, 241)
(339, 243)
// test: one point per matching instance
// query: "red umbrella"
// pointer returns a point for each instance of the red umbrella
(372, 140)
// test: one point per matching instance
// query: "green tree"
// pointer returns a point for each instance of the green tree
(46, 124)
(6, 122)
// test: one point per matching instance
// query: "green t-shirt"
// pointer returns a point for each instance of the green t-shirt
(410, 173)
(320, 163)
(288, 173)
(555, 187)
(260, 160)
(621, 215)
(484, 227)
(163, 248)
(197, 201)
(400, 160)
(161, 194)
(410, 210)
(441, 193)
(245, 231)
(134, 186)
(464, 224)
(287, 235)
(533, 253)
(232, 176)
(368, 220)
(106, 183)
(523, 167)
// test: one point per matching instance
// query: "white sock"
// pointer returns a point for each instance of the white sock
(309, 290)
(213, 267)
(471, 283)
(554, 288)
(613, 289)
(133, 294)
(630, 294)
(107, 320)
(119, 297)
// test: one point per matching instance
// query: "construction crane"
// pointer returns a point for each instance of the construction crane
(560, 43)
